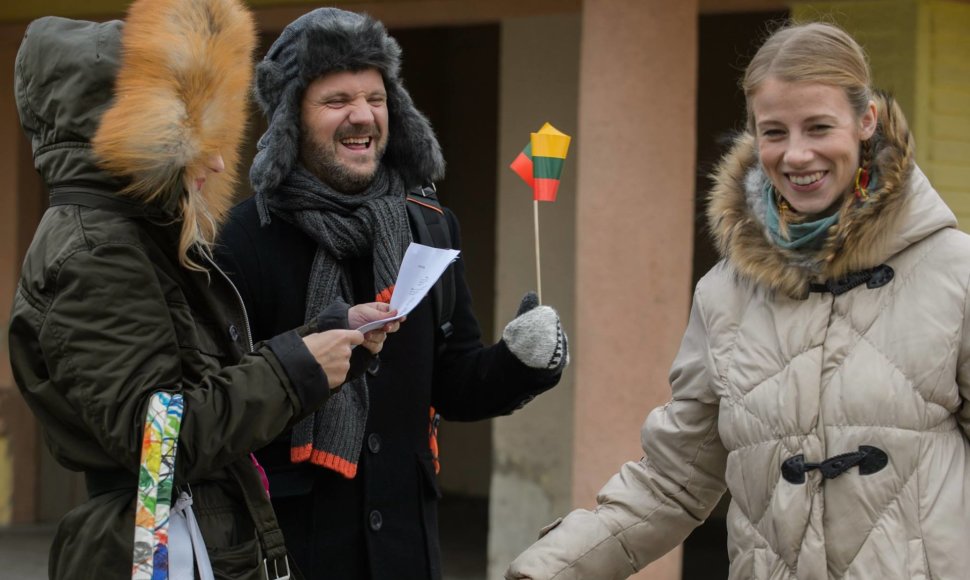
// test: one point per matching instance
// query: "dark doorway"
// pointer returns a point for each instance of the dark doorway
(452, 74)
(726, 44)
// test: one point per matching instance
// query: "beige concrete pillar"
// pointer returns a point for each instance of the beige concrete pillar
(634, 227)
(532, 449)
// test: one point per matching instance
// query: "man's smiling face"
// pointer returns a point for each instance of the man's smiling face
(344, 128)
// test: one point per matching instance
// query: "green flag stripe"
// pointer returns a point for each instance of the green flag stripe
(528, 150)
(547, 167)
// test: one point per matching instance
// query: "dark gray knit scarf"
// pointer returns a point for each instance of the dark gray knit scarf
(373, 222)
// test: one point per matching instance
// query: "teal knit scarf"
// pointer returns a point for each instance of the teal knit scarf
(807, 235)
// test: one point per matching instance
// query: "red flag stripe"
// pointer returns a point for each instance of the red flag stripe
(522, 166)
(545, 189)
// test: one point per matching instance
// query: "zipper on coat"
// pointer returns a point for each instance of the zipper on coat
(242, 305)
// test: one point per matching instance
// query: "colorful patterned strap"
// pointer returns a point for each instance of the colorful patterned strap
(155, 482)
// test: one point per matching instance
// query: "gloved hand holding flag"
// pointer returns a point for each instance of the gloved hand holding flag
(540, 166)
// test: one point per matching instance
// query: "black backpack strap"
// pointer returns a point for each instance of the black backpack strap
(431, 228)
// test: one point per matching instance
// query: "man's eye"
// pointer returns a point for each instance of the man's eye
(820, 128)
(377, 100)
(336, 103)
(772, 133)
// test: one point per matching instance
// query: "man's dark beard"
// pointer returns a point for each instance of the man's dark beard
(323, 163)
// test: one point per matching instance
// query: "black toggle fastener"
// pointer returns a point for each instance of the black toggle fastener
(869, 459)
(873, 278)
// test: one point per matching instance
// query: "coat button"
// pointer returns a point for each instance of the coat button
(374, 443)
(233, 332)
(376, 520)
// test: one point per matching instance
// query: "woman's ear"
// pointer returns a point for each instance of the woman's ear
(868, 121)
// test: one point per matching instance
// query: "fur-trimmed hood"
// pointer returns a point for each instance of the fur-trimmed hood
(328, 40)
(181, 96)
(129, 106)
(903, 208)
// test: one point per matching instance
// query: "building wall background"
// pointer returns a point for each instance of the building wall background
(527, 62)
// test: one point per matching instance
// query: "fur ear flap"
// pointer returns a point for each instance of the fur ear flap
(412, 147)
(270, 76)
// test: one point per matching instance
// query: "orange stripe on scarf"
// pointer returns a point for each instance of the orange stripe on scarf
(385, 295)
(301, 454)
(331, 461)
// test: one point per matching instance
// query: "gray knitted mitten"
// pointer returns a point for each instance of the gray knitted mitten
(535, 336)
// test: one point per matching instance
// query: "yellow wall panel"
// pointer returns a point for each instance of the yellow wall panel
(950, 152)
(957, 74)
(887, 31)
(6, 482)
(950, 98)
(945, 126)
(951, 17)
(919, 50)
(945, 142)
(948, 178)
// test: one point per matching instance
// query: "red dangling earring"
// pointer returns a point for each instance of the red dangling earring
(861, 190)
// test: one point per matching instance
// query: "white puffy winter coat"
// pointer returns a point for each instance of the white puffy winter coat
(776, 364)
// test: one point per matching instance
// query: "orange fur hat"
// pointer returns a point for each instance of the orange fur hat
(181, 96)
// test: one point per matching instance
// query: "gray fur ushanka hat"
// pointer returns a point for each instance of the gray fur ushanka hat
(329, 40)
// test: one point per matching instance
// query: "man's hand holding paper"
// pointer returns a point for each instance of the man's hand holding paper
(420, 269)
(371, 314)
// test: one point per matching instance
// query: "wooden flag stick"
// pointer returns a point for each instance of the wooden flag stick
(535, 213)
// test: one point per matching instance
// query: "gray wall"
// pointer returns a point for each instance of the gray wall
(531, 478)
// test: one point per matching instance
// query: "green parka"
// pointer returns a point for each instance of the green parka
(104, 316)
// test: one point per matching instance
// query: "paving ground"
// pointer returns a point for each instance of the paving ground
(23, 552)
(463, 521)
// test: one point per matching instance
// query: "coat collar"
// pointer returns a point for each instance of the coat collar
(903, 209)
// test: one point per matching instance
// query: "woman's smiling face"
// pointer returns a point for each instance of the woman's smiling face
(808, 141)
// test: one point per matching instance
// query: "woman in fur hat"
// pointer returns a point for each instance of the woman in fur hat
(137, 136)
(824, 373)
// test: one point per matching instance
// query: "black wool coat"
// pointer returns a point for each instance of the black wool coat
(383, 523)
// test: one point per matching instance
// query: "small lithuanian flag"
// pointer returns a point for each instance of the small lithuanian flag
(540, 163)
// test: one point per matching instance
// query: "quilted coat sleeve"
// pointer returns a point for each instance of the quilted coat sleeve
(651, 505)
(109, 342)
(963, 366)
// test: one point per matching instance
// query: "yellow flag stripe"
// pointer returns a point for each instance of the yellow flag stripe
(550, 145)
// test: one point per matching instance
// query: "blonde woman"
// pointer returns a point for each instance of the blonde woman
(824, 374)
(136, 130)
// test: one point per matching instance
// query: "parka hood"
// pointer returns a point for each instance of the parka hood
(63, 82)
(867, 233)
(129, 106)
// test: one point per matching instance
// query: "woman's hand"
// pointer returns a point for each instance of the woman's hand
(332, 350)
(362, 314)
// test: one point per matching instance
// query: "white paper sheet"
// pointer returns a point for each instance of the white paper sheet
(420, 269)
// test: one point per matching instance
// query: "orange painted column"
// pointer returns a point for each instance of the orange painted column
(17, 429)
(635, 219)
